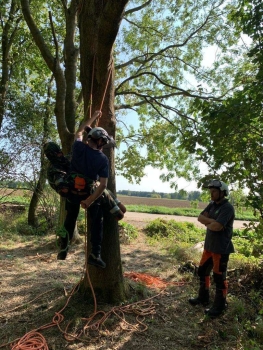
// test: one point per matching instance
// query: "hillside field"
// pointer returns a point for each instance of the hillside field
(158, 202)
(126, 200)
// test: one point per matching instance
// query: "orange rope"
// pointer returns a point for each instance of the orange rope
(91, 89)
(34, 340)
(108, 79)
(140, 308)
(31, 340)
(151, 281)
(86, 263)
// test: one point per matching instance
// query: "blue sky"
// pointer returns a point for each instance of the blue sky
(151, 181)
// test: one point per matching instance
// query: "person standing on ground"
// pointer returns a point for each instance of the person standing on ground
(218, 217)
(89, 161)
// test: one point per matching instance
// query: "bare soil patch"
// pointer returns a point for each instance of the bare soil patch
(34, 286)
(159, 202)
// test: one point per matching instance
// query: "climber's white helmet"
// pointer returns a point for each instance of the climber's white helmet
(222, 186)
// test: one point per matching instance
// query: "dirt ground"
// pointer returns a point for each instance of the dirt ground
(35, 287)
(140, 220)
(158, 202)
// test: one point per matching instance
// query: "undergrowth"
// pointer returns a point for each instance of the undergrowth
(182, 240)
(184, 234)
(128, 232)
(182, 243)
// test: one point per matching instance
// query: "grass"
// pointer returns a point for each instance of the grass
(244, 321)
(246, 312)
(244, 215)
(248, 247)
(192, 211)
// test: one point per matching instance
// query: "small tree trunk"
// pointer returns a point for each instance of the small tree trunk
(32, 217)
(37, 193)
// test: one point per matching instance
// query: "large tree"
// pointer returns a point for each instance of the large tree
(98, 29)
(229, 137)
(99, 25)
(156, 73)
(161, 67)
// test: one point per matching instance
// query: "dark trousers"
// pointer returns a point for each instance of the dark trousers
(218, 263)
(95, 217)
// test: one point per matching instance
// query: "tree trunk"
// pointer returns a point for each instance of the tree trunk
(99, 25)
(9, 30)
(32, 216)
(37, 193)
(107, 283)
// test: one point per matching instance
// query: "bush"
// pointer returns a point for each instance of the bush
(127, 232)
(179, 231)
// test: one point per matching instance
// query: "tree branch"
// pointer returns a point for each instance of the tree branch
(54, 34)
(179, 90)
(54, 65)
(151, 56)
(138, 8)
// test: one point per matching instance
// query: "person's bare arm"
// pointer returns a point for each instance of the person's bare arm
(79, 132)
(211, 224)
(96, 194)
(215, 226)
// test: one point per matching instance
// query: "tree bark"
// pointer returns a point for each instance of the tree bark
(99, 25)
(9, 30)
(37, 193)
(65, 105)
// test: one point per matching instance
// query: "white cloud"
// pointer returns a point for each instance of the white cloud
(151, 182)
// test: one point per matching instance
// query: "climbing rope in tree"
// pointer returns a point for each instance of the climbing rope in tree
(91, 89)
(106, 87)
(86, 263)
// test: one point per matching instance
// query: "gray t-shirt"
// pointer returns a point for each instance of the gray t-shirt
(219, 242)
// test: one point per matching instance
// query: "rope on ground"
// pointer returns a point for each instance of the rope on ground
(31, 340)
(143, 308)
(140, 309)
(151, 281)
